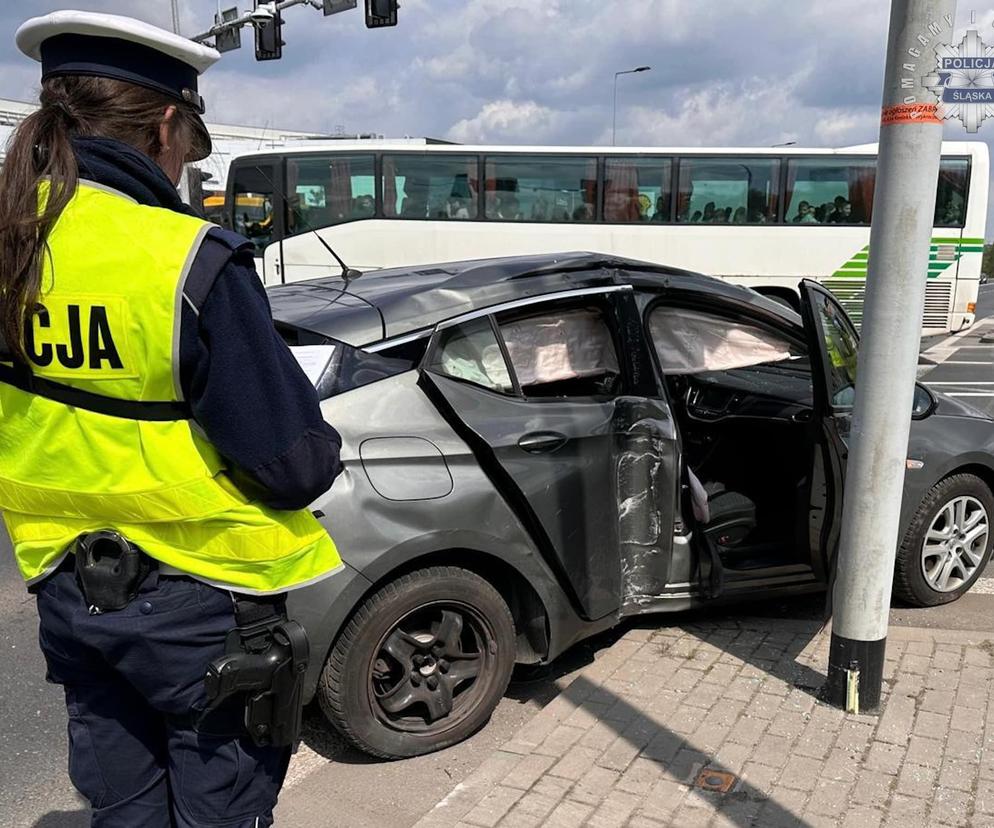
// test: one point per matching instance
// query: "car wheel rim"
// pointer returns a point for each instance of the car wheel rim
(955, 544)
(432, 668)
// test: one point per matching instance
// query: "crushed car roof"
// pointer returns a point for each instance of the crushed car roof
(387, 303)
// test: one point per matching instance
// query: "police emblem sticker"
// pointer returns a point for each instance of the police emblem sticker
(963, 79)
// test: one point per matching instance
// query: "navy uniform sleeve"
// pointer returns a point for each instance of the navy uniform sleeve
(250, 396)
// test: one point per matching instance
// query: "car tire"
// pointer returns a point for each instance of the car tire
(915, 581)
(409, 653)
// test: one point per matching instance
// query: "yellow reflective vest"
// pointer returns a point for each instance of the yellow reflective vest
(108, 324)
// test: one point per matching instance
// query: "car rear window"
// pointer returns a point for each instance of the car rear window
(471, 353)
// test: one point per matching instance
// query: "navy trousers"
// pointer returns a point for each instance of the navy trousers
(139, 750)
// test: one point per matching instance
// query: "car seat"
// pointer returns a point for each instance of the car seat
(726, 518)
(733, 517)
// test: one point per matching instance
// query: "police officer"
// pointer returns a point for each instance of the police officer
(158, 442)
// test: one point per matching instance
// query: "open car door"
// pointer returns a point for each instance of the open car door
(834, 346)
(549, 396)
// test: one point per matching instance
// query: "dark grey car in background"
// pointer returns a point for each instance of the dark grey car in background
(538, 447)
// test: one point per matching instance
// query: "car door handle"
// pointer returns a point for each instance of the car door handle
(542, 442)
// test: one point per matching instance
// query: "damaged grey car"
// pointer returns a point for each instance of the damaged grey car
(536, 448)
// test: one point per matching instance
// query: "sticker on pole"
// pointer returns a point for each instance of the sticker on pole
(910, 113)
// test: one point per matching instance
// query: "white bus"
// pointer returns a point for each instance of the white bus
(757, 217)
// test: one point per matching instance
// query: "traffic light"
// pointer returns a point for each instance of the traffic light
(268, 24)
(229, 38)
(381, 13)
(336, 6)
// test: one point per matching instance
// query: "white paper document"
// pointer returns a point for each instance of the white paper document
(313, 359)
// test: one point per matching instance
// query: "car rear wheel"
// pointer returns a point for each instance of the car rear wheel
(948, 543)
(421, 665)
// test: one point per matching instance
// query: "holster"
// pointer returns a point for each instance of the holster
(266, 658)
(110, 570)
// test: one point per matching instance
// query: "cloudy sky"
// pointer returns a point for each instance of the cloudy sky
(724, 72)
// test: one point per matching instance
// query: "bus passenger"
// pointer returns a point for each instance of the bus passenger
(842, 213)
(662, 214)
(364, 207)
(805, 215)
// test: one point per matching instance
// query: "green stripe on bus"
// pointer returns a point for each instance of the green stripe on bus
(853, 276)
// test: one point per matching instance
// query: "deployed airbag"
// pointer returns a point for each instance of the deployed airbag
(569, 345)
(689, 342)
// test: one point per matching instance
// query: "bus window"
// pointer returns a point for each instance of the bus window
(728, 190)
(252, 210)
(541, 188)
(830, 190)
(438, 186)
(325, 190)
(950, 197)
(637, 189)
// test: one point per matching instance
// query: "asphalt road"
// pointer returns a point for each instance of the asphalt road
(326, 774)
(964, 361)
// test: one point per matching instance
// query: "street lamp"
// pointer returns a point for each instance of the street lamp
(614, 117)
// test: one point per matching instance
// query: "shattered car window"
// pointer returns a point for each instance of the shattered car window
(471, 353)
(690, 342)
(569, 352)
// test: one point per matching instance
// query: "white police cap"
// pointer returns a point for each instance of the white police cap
(113, 46)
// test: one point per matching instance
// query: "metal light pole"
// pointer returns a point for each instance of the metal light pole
(175, 5)
(907, 172)
(614, 115)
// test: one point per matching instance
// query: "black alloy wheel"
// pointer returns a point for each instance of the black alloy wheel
(421, 665)
(425, 674)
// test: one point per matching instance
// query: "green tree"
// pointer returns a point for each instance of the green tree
(987, 265)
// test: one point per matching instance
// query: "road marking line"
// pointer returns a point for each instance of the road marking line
(965, 362)
(942, 351)
(303, 763)
(964, 382)
(985, 586)
(970, 394)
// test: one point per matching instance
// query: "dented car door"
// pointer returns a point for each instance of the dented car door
(546, 393)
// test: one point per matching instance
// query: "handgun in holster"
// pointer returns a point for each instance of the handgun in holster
(265, 659)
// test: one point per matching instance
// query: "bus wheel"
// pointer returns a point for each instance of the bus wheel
(421, 665)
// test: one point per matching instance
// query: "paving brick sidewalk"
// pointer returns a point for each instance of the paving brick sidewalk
(625, 742)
